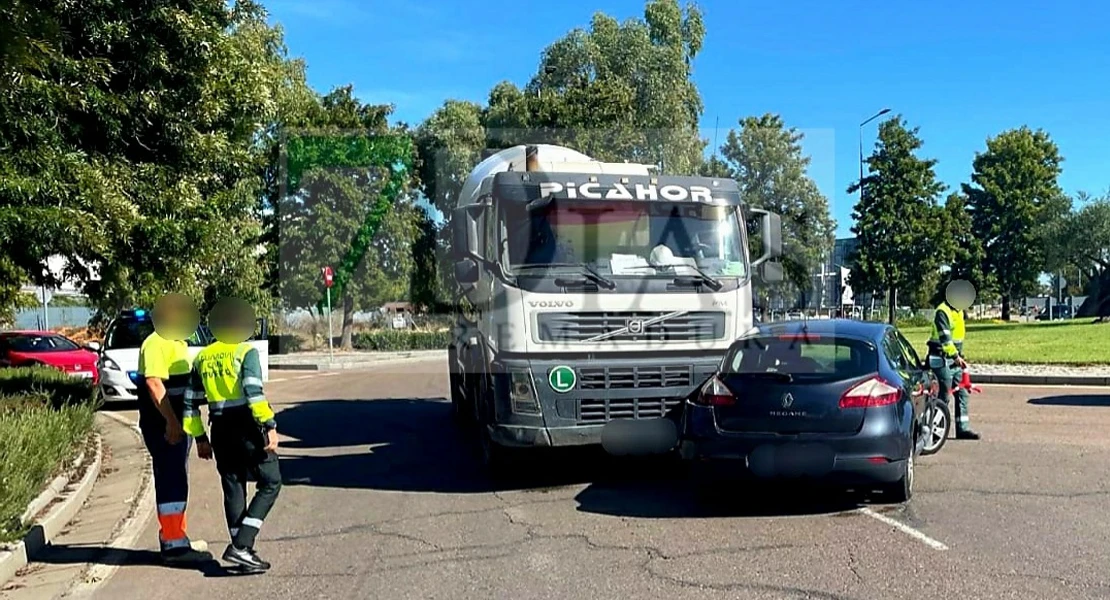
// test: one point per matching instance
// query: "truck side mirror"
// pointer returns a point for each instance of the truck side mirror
(464, 232)
(770, 232)
(771, 271)
(466, 271)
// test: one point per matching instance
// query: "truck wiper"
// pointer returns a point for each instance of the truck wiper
(587, 271)
(710, 281)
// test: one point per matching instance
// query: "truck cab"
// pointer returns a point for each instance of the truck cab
(591, 292)
(119, 356)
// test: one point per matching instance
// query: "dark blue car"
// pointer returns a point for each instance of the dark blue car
(837, 401)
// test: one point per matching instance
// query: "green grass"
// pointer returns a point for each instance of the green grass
(1074, 342)
(45, 418)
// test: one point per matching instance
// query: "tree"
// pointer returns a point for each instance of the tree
(1013, 199)
(617, 91)
(966, 252)
(348, 206)
(1081, 241)
(766, 160)
(131, 148)
(898, 223)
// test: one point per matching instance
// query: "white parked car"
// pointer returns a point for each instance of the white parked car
(119, 357)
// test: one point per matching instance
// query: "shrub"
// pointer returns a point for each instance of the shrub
(58, 388)
(45, 416)
(915, 321)
(394, 340)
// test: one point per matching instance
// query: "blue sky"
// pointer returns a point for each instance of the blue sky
(961, 71)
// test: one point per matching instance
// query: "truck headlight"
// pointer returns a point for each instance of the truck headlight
(522, 394)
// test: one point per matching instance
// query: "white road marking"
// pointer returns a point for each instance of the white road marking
(331, 374)
(906, 529)
(275, 381)
(305, 377)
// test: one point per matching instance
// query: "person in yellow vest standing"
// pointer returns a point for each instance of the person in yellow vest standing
(244, 440)
(946, 347)
(164, 370)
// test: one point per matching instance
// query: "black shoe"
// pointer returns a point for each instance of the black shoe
(967, 435)
(245, 557)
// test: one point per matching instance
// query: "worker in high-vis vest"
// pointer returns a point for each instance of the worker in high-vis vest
(228, 374)
(164, 370)
(946, 345)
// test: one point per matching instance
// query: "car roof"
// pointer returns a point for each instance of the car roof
(28, 332)
(868, 330)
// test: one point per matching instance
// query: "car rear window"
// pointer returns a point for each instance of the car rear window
(817, 358)
(40, 343)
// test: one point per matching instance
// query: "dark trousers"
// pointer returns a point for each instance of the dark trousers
(949, 376)
(238, 444)
(171, 483)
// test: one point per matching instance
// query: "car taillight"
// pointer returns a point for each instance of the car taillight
(873, 392)
(714, 393)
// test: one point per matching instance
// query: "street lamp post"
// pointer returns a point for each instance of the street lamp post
(872, 118)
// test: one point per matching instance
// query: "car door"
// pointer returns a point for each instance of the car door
(909, 373)
(922, 386)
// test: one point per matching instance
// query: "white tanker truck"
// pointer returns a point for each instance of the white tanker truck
(592, 291)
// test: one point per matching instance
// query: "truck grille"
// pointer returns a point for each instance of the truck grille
(607, 378)
(593, 411)
(579, 327)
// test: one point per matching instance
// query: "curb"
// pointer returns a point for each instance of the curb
(354, 364)
(1031, 380)
(17, 557)
(127, 532)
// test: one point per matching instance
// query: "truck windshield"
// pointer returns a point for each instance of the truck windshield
(627, 238)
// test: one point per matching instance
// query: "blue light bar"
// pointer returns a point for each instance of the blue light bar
(140, 313)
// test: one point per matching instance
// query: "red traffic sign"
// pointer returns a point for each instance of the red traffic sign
(329, 276)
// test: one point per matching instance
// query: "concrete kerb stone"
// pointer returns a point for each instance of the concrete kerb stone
(127, 532)
(1034, 380)
(16, 557)
(353, 361)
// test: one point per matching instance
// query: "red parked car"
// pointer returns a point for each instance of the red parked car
(28, 348)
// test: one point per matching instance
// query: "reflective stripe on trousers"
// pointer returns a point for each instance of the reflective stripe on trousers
(171, 523)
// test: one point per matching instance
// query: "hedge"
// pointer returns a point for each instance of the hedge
(45, 418)
(394, 340)
(59, 388)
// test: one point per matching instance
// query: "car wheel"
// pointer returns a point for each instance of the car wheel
(902, 490)
(937, 427)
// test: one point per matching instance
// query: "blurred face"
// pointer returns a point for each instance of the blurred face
(232, 321)
(175, 317)
(960, 294)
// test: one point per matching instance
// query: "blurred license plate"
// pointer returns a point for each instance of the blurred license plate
(82, 374)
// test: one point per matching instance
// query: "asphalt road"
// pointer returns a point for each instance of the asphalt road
(384, 500)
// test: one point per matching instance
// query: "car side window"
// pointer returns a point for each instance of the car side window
(908, 350)
(893, 350)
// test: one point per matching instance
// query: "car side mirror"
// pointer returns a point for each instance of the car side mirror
(467, 272)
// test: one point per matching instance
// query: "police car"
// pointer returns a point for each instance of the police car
(119, 357)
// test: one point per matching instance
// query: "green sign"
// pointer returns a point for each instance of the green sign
(562, 379)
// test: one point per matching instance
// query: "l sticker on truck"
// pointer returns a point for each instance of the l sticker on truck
(562, 379)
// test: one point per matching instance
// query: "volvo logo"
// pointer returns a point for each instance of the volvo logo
(635, 326)
(550, 303)
(787, 400)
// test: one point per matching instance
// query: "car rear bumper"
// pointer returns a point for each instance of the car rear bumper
(829, 468)
(875, 454)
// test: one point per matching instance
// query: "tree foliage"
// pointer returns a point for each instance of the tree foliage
(1081, 241)
(1013, 199)
(900, 226)
(765, 158)
(347, 206)
(129, 146)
